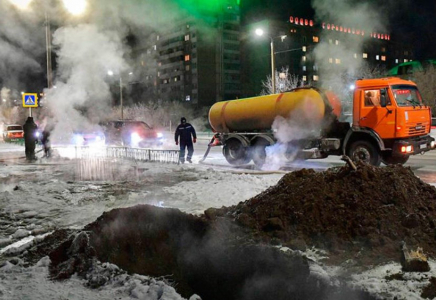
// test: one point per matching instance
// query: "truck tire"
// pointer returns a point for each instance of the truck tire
(235, 152)
(388, 159)
(258, 153)
(366, 152)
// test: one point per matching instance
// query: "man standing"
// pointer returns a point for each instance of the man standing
(30, 138)
(185, 131)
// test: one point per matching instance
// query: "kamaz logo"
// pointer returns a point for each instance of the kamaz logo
(418, 127)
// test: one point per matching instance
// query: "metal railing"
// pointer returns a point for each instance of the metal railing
(136, 154)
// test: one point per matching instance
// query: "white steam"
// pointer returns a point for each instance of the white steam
(82, 96)
(335, 55)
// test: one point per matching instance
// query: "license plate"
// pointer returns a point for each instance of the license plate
(422, 146)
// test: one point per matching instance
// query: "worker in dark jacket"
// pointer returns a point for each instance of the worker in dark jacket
(187, 135)
(30, 138)
(45, 141)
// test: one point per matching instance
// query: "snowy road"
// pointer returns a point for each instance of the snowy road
(38, 198)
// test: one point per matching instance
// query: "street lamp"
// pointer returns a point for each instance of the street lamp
(74, 7)
(111, 73)
(260, 32)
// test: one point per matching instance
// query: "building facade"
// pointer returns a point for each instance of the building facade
(198, 58)
(317, 52)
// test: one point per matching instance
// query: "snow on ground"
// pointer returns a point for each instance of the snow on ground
(36, 199)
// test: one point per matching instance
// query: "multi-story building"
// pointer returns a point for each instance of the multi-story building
(315, 52)
(198, 58)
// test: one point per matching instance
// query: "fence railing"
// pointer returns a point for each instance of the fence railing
(137, 154)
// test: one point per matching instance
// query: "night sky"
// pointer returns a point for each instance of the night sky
(409, 21)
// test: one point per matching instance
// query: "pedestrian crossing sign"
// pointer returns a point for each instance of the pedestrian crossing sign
(30, 100)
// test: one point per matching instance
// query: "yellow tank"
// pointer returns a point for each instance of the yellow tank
(258, 113)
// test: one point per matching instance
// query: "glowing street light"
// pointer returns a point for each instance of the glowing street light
(260, 32)
(75, 7)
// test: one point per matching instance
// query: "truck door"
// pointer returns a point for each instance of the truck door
(373, 116)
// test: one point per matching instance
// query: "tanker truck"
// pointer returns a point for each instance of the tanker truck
(390, 123)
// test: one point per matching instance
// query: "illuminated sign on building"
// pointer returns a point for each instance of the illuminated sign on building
(306, 22)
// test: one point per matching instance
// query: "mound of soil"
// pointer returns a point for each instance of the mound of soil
(210, 259)
(362, 214)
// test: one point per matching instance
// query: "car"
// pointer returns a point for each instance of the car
(89, 138)
(13, 132)
(131, 133)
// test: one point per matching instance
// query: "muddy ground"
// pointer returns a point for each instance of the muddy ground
(360, 217)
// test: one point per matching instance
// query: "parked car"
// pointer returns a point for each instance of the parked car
(12, 132)
(131, 133)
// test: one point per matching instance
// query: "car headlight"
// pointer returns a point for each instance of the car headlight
(159, 134)
(78, 139)
(135, 138)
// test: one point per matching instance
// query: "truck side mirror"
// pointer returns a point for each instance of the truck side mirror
(383, 100)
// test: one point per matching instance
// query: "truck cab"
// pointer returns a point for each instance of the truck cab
(389, 113)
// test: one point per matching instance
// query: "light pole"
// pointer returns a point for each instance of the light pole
(111, 73)
(260, 32)
(74, 7)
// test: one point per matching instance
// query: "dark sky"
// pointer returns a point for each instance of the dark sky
(409, 21)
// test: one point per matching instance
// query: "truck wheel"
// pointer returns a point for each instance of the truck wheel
(235, 153)
(366, 152)
(258, 154)
(388, 159)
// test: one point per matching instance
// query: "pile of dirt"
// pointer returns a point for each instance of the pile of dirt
(362, 214)
(210, 259)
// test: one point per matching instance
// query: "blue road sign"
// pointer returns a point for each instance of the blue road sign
(30, 100)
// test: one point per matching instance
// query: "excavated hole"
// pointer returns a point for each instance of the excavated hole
(211, 259)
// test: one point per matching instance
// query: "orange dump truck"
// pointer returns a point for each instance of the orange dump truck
(390, 123)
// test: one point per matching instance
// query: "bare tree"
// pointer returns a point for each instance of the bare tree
(426, 81)
(284, 82)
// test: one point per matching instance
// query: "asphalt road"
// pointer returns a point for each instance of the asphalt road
(424, 166)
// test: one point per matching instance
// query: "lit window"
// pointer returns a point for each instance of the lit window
(304, 68)
(304, 78)
(383, 58)
(187, 37)
(187, 67)
(175, 78)
(303, 58)
(154, 47)
(304, 48)
(337, 42)
(355, 55)
(157, 38)
(377, 57)
(315, 67)
(187, 57)
(188, 98)
(330, 60)
(337, 61)
(315, 77)
(158, 74)
(365, 55)
(406, 60)
(315, 39)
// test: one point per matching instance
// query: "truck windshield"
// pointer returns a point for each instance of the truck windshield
(406, 95)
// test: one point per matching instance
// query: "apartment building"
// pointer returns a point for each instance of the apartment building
(198, 57)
